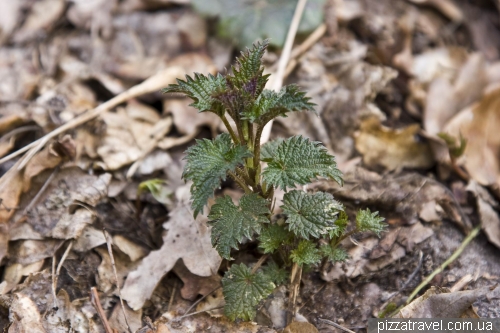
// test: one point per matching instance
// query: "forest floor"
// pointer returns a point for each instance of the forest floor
(408, 98)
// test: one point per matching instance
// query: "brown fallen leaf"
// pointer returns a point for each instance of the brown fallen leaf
(24, 315)
(131, 134)
(478, 124)
(41, 18)
(440, 303)
(392, 149)
(488, 211)
(185, 238)
(195, 285)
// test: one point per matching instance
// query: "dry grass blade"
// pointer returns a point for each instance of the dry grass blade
(152, 84)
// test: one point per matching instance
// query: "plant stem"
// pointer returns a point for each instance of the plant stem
(246, 178)
(441, 268)
(256, 152)
(230, 130)
(295, 277)
(259, 263)
(240, 182)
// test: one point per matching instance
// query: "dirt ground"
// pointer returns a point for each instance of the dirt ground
(407, 94)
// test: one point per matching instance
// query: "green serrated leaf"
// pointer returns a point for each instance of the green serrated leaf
(333, 254)
(232, 223)
(208, 162)
(158, 189)
(368, 221)
(243, 22)
(341, 223)
(272, 237)
(247, 74)
(297, 161)
(243, 291)
(306, 253)
(271, 104)
(268, 150)
(310, 214)
(202, 90)
(275, 273)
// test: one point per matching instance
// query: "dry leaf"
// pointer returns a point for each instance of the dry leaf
(131, 134)
(24, 315)
(300, 327)
(195, 285)
(488, 211)
(392, 149)
(478, 125)
(440, 303)
(41, 18)
(185, 238)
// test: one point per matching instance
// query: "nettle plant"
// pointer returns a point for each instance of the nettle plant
(312, 225)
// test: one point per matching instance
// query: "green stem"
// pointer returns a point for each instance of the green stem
(451, 259)
(240, 182)
(230, 129)
(256, 151)
(246, 178)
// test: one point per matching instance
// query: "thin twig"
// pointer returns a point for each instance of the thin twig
(172, 295)
(96, 302)
(198, 301)
(259, 263)
(109, 242)
(197, 312)
(451, 259)
(152, 84)
(56, 272)
(285, 57)
(331, 323)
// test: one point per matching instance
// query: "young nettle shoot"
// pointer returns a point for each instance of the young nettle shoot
(314, 223)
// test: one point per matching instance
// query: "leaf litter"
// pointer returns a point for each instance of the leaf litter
(387, 79)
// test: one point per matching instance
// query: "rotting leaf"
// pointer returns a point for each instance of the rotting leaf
(392, 149)
(186, 238)
(440, 303)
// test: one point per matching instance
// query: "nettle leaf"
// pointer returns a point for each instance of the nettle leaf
(201, 90)
(334, 254)
(247, 74)
(243, 290)
(298, 160)
(232, 223)
(306, 253)
(208, 161)
(275, 273)
(341, 223)
(272, 237)
(310, 214)
(368, 221)
(271, 104)
(268, 150)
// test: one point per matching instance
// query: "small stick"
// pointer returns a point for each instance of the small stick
(152, 84)
(259, 263)
(96, 302)
(331, 323)
(55, 273)
(453, 257)
(172, 296)
(194, 313)
(285, 57)
(408, 280)
(198, 301)
(109, 242)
